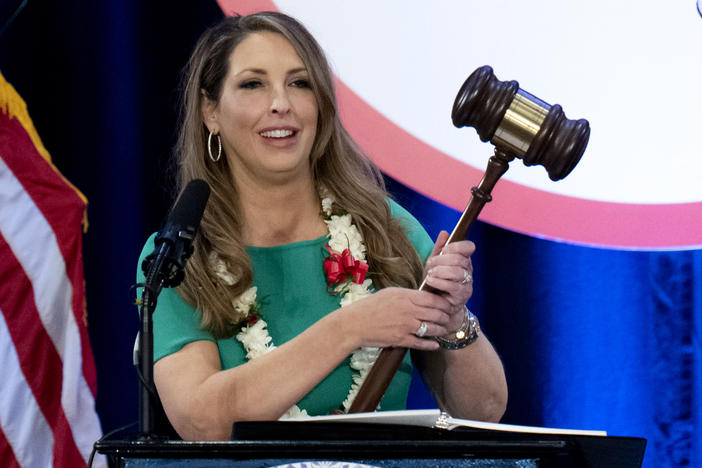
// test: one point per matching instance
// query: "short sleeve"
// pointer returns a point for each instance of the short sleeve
(416, 234)
(176, 323)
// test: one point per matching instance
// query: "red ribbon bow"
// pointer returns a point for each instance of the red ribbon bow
(339, 266)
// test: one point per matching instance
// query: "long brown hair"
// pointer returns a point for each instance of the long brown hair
(358, 188)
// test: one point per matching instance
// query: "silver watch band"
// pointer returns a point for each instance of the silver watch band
(467, 334)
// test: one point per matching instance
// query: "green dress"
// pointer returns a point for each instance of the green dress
(292, 291)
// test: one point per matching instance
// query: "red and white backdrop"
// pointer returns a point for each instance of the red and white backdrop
(630, 68)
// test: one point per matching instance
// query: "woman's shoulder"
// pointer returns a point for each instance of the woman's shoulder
(414, 230)
(408, 221)
(176, 323)
(397, 210)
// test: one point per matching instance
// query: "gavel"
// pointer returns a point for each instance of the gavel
(519, 125)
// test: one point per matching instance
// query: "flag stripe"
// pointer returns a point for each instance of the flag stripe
(7, 456)
(62, 208)
(25, 227)
(27, 440)
(38, 359)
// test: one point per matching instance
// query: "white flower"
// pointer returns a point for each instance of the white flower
(354, 292)
(358, 380)
(338, 225)
(294, 413)
(364, 358)
(219, 268)
(327, 203)
(246, 301)
(256, 339)
(345, 235)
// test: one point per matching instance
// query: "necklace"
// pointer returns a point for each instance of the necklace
(345, 277)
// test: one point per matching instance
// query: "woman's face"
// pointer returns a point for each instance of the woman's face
(267, 112)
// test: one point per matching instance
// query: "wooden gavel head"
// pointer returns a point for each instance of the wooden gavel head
(520, 124)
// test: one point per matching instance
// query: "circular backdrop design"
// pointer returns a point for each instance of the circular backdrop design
(629, 68)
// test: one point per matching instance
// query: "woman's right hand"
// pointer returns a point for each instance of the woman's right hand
(392, 317)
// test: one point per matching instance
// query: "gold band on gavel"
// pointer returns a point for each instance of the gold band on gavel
(521, 123)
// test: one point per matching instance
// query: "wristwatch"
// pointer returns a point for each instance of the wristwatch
(467, 334)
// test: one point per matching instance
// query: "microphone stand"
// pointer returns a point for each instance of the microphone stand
(165, 267)
(147, 391)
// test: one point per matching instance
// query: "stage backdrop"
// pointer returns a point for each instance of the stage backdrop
(628, 68)
(591, 337)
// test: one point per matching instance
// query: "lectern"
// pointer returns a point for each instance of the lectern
(271, 444)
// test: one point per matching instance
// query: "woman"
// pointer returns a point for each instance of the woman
(278, 314)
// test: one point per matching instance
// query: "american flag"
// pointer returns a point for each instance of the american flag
(47, 377)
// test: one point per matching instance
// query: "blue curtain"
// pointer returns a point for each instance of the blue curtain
(590, 338)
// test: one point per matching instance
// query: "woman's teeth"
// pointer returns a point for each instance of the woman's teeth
(277, 133)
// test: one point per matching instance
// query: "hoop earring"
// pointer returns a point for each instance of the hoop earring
(209, 147)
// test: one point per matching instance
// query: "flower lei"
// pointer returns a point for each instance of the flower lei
(346, 273)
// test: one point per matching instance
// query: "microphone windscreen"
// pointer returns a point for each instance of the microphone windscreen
(190, 206)
(173, 244)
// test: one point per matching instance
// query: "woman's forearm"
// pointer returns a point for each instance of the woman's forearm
(203, 402)
(467, 383)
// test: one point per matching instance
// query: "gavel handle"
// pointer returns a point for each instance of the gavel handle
(389, 360)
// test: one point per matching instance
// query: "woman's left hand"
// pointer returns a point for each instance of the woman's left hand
(449, 270)
(469, 381)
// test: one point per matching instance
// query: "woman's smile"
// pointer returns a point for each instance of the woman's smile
(279, 137)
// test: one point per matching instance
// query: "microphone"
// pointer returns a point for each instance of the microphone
(174, 243)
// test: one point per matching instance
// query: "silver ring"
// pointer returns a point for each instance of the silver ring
(467, 277)
(422, 330)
